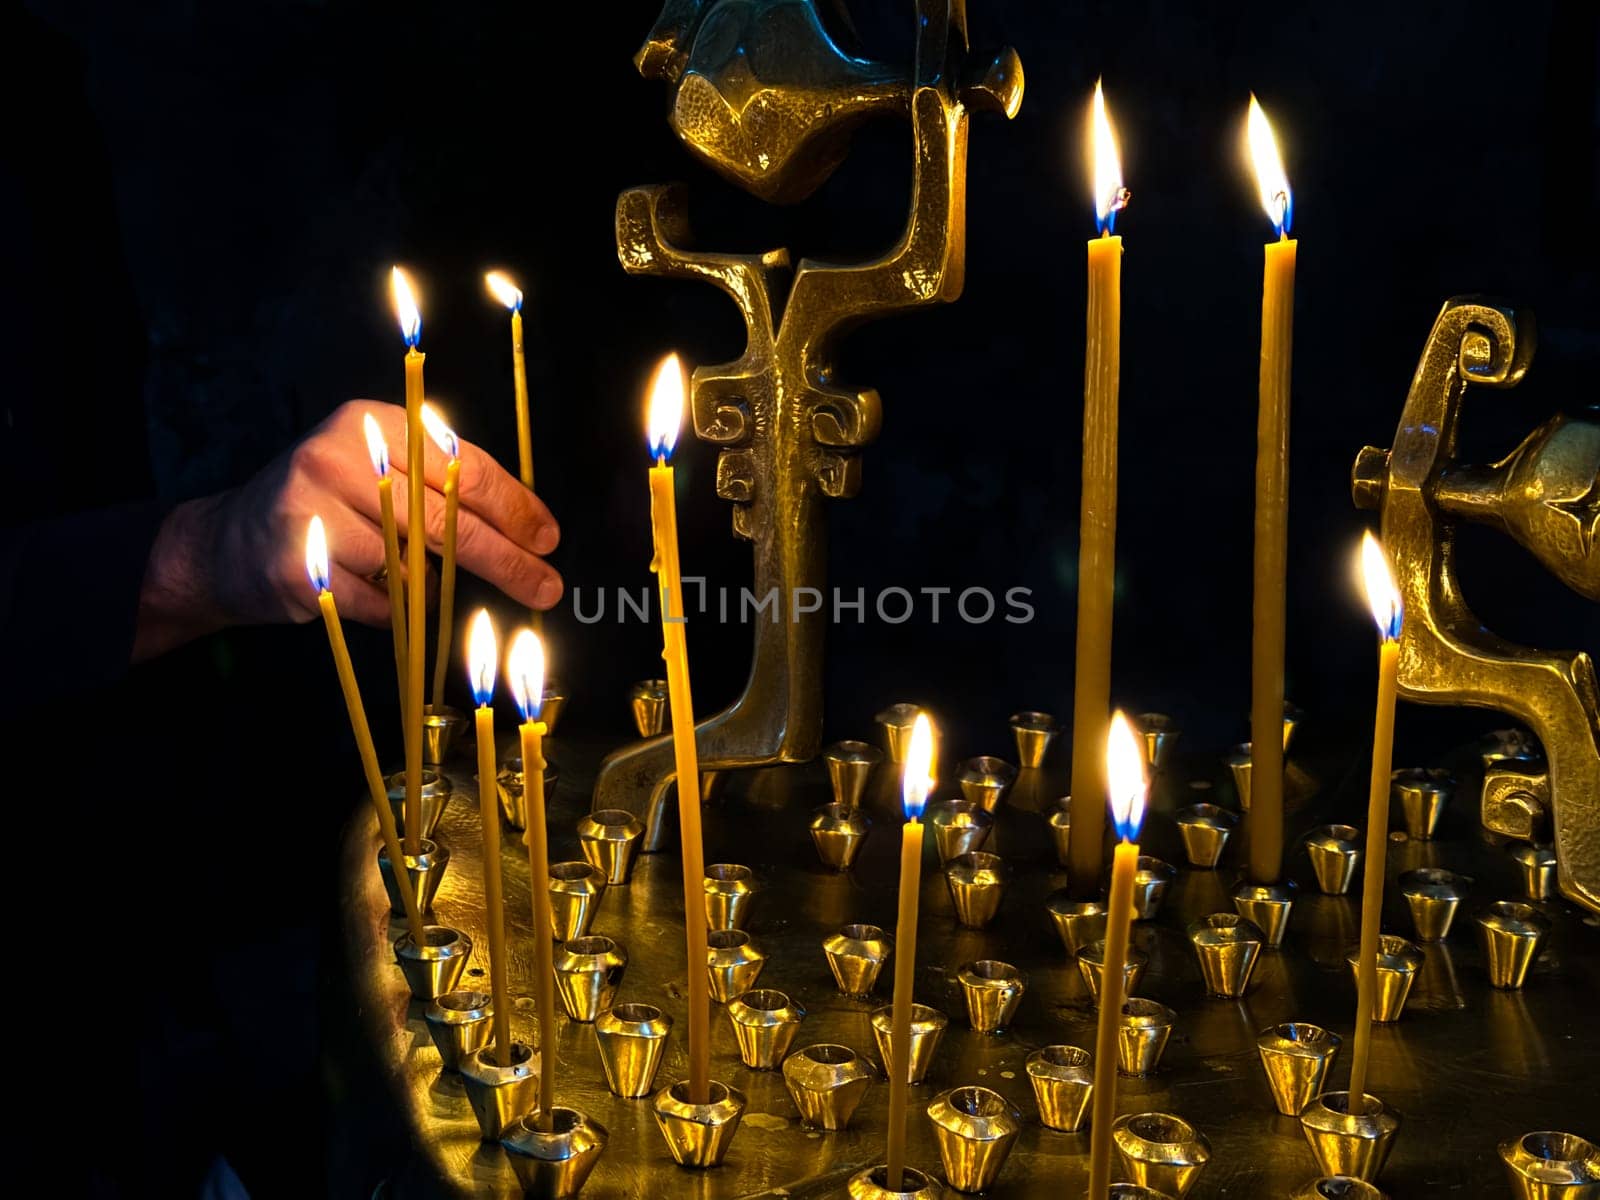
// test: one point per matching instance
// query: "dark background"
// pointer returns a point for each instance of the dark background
(203, 202)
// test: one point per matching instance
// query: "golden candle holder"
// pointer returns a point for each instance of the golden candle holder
(1151, 880)
(1161, 1151)
(826, 1083)
(765, 1022)
(609, 840)
(500, 1095)
(698, 1135)
(1239, 762)
(992, 990)
(589, 971)
(975, 1129)
(850, 765)
(459, 1022)
(1059, 819)
(1335, 851)
(1398, 964)
(872, 1183)
(856, 955)
(1433, 895)
(513, 799)
(1511, 934)
(1160, 733)
(734, 962)
(434, 968)
(1063, 1084)
(1134, 1191)
(551, 705)
(1142, 1033)
(1205, 830)
(576, 889)
(1267, 906)
(1338, 1187)
(730, 889)
(632, 1039)
(440, 728)
(1537, 866)
(986, 780)
(1293, 717)
(1092, 966)
(896, 721)
(1034, 734)
(838, 834)
(1550, 1165)
(927, 1031)
(959, 826)
(1343, 1143)
(1423, 794)
(977, 883)
(1078, 923)
(647, 700)
(1227, 947)
(434, 798)
(555, 1163)
(1296, 1056)
(424, 873)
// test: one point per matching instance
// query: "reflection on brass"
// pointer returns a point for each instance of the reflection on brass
(1537, 865)
(986, 780)
(575, 892)
(1092, 966)
(588, 973)
(1346, 1143)
(609, 839)
(855, 955)
(648, 702)
(977, 882)
(871, 1183)
(1059, 819)
(513, 799)
(992, 990)
(698, 1135)
(1511, 935)
(959, 826)
(1161, 735)
(734, 962)
(1226, 946)
(1293, 714)
(459, 1023)
(765, 1022)
(1034, 733)
(632, 1039)
(1549, 1165)
(975, 1128)
(1338, 1187)
(1063, 1085)
(850, 765)
(555, 1163)
(1079, 923)
(424, 873)
(1150, 883)
(763, 95)
(1296, 1056)
(440, 728)
(436, 789)
(838, 834)
(730, 889)
(1205, 829)
(1142, 1033)
(500, 1096)
(434, 968)
(927, 1031)
(1546, 496)
(1398, 964)
(1516, 799)
(1161, 1151)
(826, 1083)
(1239, 764)
(552, 705)
(1433, 896)
(1422, 794)
(897, 721)
(1335, 851)
(1266, 906)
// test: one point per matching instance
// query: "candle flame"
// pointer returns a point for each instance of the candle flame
(525, 666)
(1383, 597)
(664, 417)
(482, 651)
(503, 290)
(1110, 197)
(317, 555)
(1276, 198)
(377, 448)
(917, 781)
(405, 307)
(1125, 780)
(443, 436)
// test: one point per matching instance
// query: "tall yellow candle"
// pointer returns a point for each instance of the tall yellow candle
(482, 652)
(378, 450)
(1384, 598)
(1272, 509)
(317, 569)
(665, 418)
(526, 668)
(445, 438)
(1097, 524)
(915, 784)
(1126, 784)
(507, 293)
(405, 306)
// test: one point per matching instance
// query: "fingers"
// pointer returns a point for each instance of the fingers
(487, 553)
(358, 598)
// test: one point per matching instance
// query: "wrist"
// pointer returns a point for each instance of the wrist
(178, 599)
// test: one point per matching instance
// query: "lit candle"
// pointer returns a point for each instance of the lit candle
(526, 668)
(317, 569)
(1097, 524)
(665, 417)
(1384, 598)
(445, 438)
(1126, 788)
(405, 307)
(916, 783)
(378, 449)
(482, 652)
(1272, 508)
(509, 294)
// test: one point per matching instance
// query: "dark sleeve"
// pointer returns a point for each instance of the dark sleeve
(69, 599)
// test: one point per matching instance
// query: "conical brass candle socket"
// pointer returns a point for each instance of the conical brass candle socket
(1267, 906)
(855, 956)
(1227, 947)
(434, 798)
(838, 833)
(1512, 934)
(633, 1040)
(1142, 1033)
(1422, 795)
(1160, 733)
(698, 1135)
(1034, 733)
(609, 839)
(1151, 879)
(765, 1022)
(1550, 1165)
(576, 889)
(1338, 1187)
(1161, 1151)
(1433, 897)
(551, 705)
(1059, 820)
(927, 1031)
(1537, 865)
(513, 798)
(424, 872)
(648, 701)
(1092, 966)
(850, 765)
(1134, 1191)
(459, 1022)
(555, 1163)
(1063, 1084)
(734, 962)
(1335, 851)
(959, 826)
(500, 1095)
(440, 728)
(1344, 1144)
(1398, 964)
(1293, 715)
(1296, 1056)
(986, 780)
(1239, 764)
(975, 1129)
(872, 1183)
(434, 968)
(589, 971)
(826, 1083)
(977, 882)
(730, 889)
(896, 722)
(1078, 923)
(1205, 830)
(992, 990)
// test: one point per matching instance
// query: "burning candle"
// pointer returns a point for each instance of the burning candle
(1272, 507)
(405, 307)
(1126, 786)
(509, 294)
(378, 449)
(317, 569)
(526, 668)
(916, 783)
(1384, 598)
(445, 438)
(482, 652)
(664, 419)
(1097, 526)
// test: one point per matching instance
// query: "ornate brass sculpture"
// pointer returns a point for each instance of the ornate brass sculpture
(763, 94)
(1546, 495)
